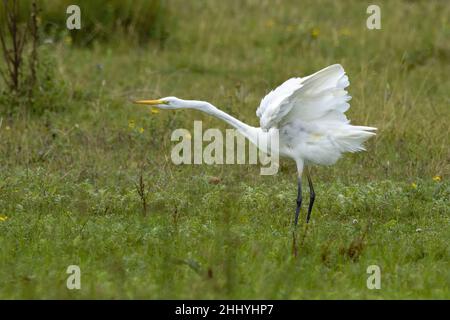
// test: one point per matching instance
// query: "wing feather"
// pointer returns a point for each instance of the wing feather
(307, 98)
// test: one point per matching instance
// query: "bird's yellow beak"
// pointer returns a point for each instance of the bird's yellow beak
(150, 102)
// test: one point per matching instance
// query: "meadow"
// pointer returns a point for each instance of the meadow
(86, 177)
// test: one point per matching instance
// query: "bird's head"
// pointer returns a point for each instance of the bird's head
(164, 103)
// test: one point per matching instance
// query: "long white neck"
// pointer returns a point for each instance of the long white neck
(247, 131)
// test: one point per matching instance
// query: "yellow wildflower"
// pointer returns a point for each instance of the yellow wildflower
(315, 32)
(141, 130)
(345, 32)
(131, 124)
(68, 40)
(270, 23)
(154, 110)
(414, 185)
(3, 218)
(437, 178)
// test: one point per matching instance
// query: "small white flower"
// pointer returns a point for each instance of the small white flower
(419, 230)
(355, 221)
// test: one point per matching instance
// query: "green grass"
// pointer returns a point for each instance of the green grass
(68, 178)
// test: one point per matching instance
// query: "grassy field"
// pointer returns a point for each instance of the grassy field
(68, 177)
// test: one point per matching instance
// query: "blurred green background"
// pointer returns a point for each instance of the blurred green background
(101, 20)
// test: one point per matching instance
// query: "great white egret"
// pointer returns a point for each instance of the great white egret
(308, 115)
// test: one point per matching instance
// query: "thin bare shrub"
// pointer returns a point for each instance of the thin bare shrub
(16, 36)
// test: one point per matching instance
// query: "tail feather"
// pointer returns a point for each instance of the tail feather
(351, 138)
(364, 128)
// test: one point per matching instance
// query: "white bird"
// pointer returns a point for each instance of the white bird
(308, 116)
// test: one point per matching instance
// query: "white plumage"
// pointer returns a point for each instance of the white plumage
(307, 113)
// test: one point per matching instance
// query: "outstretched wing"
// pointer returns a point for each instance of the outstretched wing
(320, 94)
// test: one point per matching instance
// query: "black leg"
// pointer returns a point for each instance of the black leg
(312, 195)
(299, 199)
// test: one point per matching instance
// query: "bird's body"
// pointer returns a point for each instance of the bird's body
(306, 113)
(309, 114)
